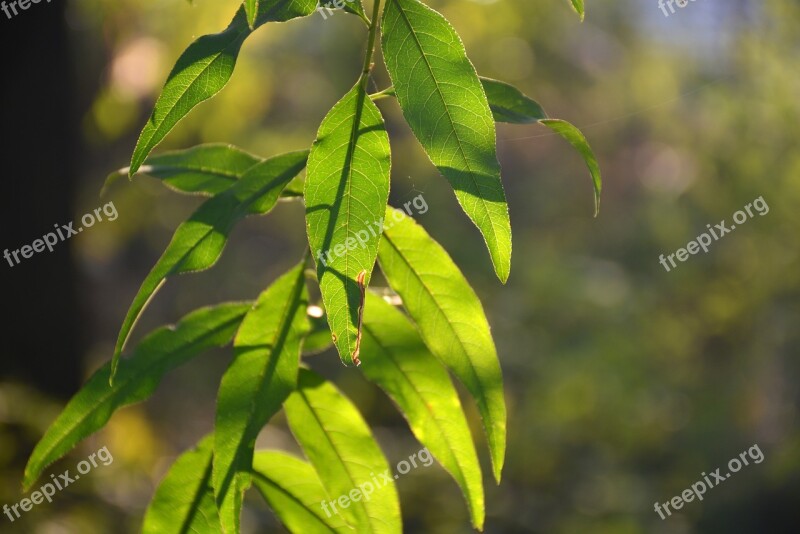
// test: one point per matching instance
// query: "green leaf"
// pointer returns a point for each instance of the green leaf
(283, 10)
(200, 73)
(450, 319)
(137, 378)
(261, 376)
(445, 105)
(577, 5)
(184, 500)
(509, 104)
(339, 444)
(351, 6)
(294, 189)
(396, 359)
(577, 140)
(199, 242)
(347, 187)
(205, 68)
(292, 489)
(251, 9)
(203, 169)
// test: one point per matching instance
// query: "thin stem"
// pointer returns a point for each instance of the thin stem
(373, 30)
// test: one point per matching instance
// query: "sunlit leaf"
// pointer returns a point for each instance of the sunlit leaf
(339, 444)
(351, 6)
(445, 105)
(137, 377)
(200, 73)
(184, 500)
(346, 190)
(261, 376)
(509, 104)
(397, 360)
(251, 9)
(577, 5)
(450, 319)
(577, 140)
(292, 489)
(199, 242)
(203, 169)
(205, 68)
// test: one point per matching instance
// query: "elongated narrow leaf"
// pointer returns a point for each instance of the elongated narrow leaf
(251, 8)
(263, 373)
(292, 489)
(203, 169)
(577, 5)
(200, 73)
(199, 242)
(445, 105)
(158, 353)
(574, 136)
(450, 318)
(509, 104)
(347, 187)
(396, 359)
(351, 6)
(340, 446)
(282, 10)
(205, 68)
(184, 500)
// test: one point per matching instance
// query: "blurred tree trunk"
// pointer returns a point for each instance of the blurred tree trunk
(39, 134)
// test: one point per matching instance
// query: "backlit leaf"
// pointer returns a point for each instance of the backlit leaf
(200, 73)
(158, 353)
(339, 444)
(445, 105)
(574, 136)
(184, 500)
(204, 69)
(347, 187)
(199, 242)
(509, 104)
(203, 169)
(292, 489)
(450, 319)
(396, 359)
(261, 376)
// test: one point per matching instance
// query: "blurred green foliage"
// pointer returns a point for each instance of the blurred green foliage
(624, 381)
